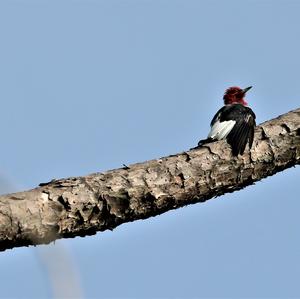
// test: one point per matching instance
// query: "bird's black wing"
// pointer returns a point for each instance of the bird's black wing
(218, 114)
(215, 118)
(243, 130)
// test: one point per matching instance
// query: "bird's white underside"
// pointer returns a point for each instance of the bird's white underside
(220, 130)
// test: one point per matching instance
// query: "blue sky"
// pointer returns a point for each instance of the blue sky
(89, 85)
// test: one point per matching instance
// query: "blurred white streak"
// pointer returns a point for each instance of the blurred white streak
(61, 269)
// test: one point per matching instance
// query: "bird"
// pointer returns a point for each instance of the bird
(234, 122)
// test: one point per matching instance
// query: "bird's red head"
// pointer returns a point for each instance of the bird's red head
(235, 95)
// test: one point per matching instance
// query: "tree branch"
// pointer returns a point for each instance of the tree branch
(81, 206)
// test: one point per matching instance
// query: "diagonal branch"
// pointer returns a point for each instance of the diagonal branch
(81, 206)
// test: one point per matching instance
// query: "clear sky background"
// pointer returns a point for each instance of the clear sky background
(86, 86)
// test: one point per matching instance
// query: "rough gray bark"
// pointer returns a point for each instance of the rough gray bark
(81, 206)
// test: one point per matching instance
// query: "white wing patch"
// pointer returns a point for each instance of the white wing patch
(220, 130)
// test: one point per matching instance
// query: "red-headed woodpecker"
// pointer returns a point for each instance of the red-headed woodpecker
(234, 122)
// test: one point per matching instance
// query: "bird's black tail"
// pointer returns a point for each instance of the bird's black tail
(202, 142)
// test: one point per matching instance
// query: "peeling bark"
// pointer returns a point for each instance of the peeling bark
(81, 206)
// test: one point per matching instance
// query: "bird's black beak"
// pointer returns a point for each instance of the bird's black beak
(246, 89)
